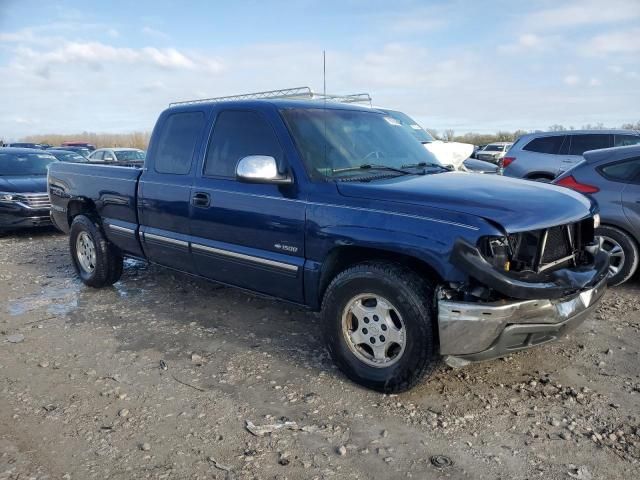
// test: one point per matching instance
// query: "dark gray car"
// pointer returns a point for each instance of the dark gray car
(612, 177)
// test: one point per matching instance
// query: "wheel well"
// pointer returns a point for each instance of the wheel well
(80, 207)
(623, 230)
(341, 258)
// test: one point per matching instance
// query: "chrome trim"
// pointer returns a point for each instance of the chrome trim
(161, 238)
(242, 256)
(118, 228)
(472, 328)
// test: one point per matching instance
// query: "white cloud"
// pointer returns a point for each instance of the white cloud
(584, 12)
(526, 41)
(96, 54)
(624, 41)
(594, 82)
(152, 32)
(571, 80)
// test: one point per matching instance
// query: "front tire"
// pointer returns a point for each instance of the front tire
(379, 326)
(623, 252)
(97, 262)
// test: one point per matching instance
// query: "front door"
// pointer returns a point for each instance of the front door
(248, 235)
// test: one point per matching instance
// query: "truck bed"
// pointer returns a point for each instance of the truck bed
(111, 189)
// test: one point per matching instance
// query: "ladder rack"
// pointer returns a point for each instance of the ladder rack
(297, 93)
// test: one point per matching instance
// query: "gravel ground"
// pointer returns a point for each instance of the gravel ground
(164, 376)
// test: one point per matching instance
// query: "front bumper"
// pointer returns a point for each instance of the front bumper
(472, 332)
(17, 216)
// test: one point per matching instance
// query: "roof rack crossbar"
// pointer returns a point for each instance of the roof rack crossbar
(296, 93)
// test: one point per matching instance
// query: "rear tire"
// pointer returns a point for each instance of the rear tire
(97, 262)
(623, 251)
(379, 326)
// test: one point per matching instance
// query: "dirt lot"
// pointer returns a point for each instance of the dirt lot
(157, 377)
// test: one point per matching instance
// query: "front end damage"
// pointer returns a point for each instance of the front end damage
(523, 290)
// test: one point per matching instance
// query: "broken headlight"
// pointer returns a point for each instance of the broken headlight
(497, 252)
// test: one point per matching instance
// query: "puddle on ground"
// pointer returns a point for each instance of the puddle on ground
(56, 300)
(64, 296)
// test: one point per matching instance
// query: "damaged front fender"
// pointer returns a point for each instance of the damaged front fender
(530, 285)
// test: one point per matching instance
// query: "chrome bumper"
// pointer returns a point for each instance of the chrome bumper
(472, 332)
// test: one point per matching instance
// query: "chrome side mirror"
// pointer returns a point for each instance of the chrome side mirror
(260, 169)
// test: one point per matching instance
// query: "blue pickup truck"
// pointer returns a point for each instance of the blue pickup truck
(339, 209)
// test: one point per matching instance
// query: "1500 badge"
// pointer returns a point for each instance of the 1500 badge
(286, 248)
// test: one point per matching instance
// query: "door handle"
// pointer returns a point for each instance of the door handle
(201, 199)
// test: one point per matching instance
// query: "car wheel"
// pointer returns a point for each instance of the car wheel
(379, 325)
(541, 178)
(623, 253)
(97, 262)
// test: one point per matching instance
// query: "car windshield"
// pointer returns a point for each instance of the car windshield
(337, 143)
(494, 148)
(129, 155)
(14, 164)
(412, 127)
(69, 157)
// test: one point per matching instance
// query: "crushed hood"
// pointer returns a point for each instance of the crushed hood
(517, 205)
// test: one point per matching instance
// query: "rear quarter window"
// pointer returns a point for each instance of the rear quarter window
(550, 145)
(622, 140)
(627, 171)
(177, 141)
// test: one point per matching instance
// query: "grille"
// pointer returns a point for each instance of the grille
(35, 200)
(557, 245)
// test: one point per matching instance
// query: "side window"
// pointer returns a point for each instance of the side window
(97, 155)
(626, 171)
(545, 144)
(622, 140)
(237, 134)
(583, 143)
(177, 142)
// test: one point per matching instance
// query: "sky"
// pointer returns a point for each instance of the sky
(112, 66)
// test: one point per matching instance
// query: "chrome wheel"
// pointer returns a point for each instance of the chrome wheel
(374, 330)
(86, 252)
(616, 254)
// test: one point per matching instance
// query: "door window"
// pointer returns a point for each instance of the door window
(177, 142)
(549, 144)
(237, 134)
(97, 155)
(583, 143)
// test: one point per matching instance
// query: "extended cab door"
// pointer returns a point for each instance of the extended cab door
(164, 192)
(246, 234)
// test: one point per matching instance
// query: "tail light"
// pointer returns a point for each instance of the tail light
(570, 182)
(506, 161)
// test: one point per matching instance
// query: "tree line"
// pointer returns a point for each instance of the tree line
(141, 139)
(449, 135)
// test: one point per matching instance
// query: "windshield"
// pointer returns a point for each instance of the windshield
(129, 155)
(14, 164)
(69, 157)
(412, 127)
(331, 142)
(494, 148)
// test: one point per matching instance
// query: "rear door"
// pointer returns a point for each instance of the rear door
(583, 142)
(244, 234)
(164, 191)
(631, 197)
